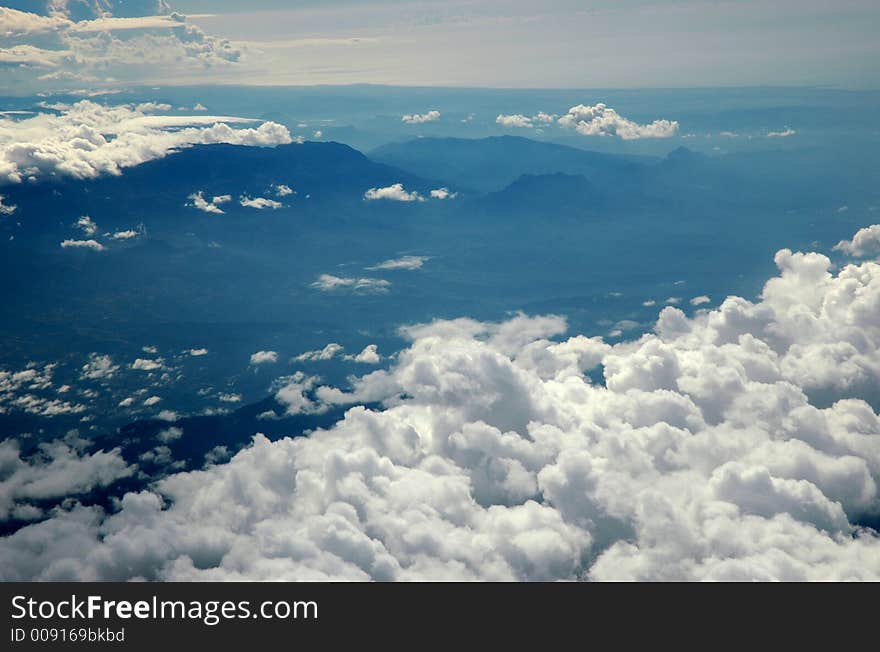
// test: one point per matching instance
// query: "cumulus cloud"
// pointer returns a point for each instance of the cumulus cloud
(293, 394)
(282, 190)
(420, 118)
(152, 107)
(394, 192)
(327, 353)
(733, 445)
(98, 367)
(700, 300)
(785, 133)
(169, 434)
(866, 242)
(197, 200)
(516, 120)
(602, 120)
(369, 355)
(264, 357)
(85, 139)
(94, 245)
(331, 283)
(87, 225)
(404, 262)
(198, 352)
(147, 364)
(58, 470)
(30, 390)
(127, 234)
(443, 193)
(259, 202)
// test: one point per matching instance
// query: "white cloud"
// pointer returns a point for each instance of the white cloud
(705, 454)
(147, 364)
(198, 352)
(263, 357)
(404, 262)
(700, 300)
(516, 120)
(369, 355)
(98, 367)
(394, 192)
(420, 118)
(6, 209)
(62, 46)
(785, 133)
(282, 190)
(169, 434)
(229, 398)
(602, 120)
(82, 244)
(87, 225)
(331, 283)
(198, 201)
(30, 390)
(866, 242)
(327, 353)
(199, 107)
(152, 107)
(217, 455)
(259, 203)
(60, 469)
(152, 400)
(443, 193)
(128, 234)
(292, 395)
(85, 140)
(160, 456)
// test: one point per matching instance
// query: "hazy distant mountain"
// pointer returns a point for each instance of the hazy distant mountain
(489, 164)
(542, 196)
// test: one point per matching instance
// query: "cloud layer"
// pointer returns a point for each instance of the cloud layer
(736, 444)
(85, 139)
(81, 42)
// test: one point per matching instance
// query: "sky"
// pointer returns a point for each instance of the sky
(495, 43)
